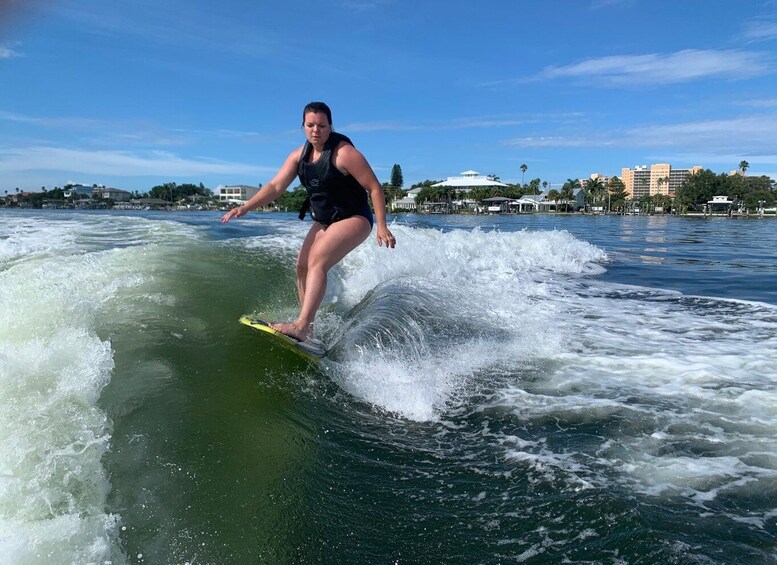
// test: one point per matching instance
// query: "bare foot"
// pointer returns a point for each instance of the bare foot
(291, 329)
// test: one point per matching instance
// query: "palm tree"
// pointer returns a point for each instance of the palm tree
(616, 194)
(567, 193)
(666, 182)
(743, 166)
(523, 172)
(646, 202)
(554, 196)
(664, 202)
(594, 188)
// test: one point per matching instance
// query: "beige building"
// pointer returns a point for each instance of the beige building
(636, 181)
(627, 177)
(605, 180)
(660, 178)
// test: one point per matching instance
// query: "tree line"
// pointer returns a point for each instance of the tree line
(695, 192)
(169, 191)
(698, 189)
(174, 192)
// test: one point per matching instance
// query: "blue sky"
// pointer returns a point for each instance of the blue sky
(136, 93)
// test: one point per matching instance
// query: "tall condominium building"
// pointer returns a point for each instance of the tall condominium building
(637, 181)
(660, 178)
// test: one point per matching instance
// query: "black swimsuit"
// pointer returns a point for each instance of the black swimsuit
(332, 195)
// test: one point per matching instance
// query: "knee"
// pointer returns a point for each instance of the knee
(311, 266)
(314, 264)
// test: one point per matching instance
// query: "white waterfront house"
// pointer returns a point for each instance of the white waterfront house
(237, 193)
(720, 203)
(530, 202)
(468, 180)
(461, 185)
(464, 183)
(540, 203)
(408, 202)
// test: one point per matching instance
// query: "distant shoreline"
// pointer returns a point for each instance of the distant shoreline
(734, 215)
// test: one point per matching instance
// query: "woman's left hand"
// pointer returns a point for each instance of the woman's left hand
(385, 236)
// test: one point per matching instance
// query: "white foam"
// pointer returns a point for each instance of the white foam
(416, 386)
(59, 279)
(467, 259)
(478, 282)
(687, 384)
(49, 235)
(25, 237)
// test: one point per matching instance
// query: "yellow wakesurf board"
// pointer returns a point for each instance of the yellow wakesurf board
(310, 349)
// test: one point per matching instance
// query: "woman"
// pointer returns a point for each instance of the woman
(337, 178)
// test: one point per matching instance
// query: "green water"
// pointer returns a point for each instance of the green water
(206, 449)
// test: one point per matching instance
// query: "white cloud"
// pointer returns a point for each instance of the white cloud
(757, 103)
(557, 141)
(760, 30)
(671, 68)
(364, 5)
(136, 132)
(730, 160)
(170, 24)
(749, 135)
(250, 136)
(381, 126)
(493, 121)
(599, 4)
(69, 123)
(119, 163)
(7, 53)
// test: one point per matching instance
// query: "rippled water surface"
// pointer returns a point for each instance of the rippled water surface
(499, 389)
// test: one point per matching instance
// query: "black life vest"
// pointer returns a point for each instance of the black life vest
(332, 196)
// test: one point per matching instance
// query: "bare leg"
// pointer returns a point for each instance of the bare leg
(302, 259)
(323, 248)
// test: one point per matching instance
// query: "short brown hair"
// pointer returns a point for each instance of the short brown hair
(317, 107)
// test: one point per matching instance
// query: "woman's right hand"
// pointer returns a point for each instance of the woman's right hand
(233, 213)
